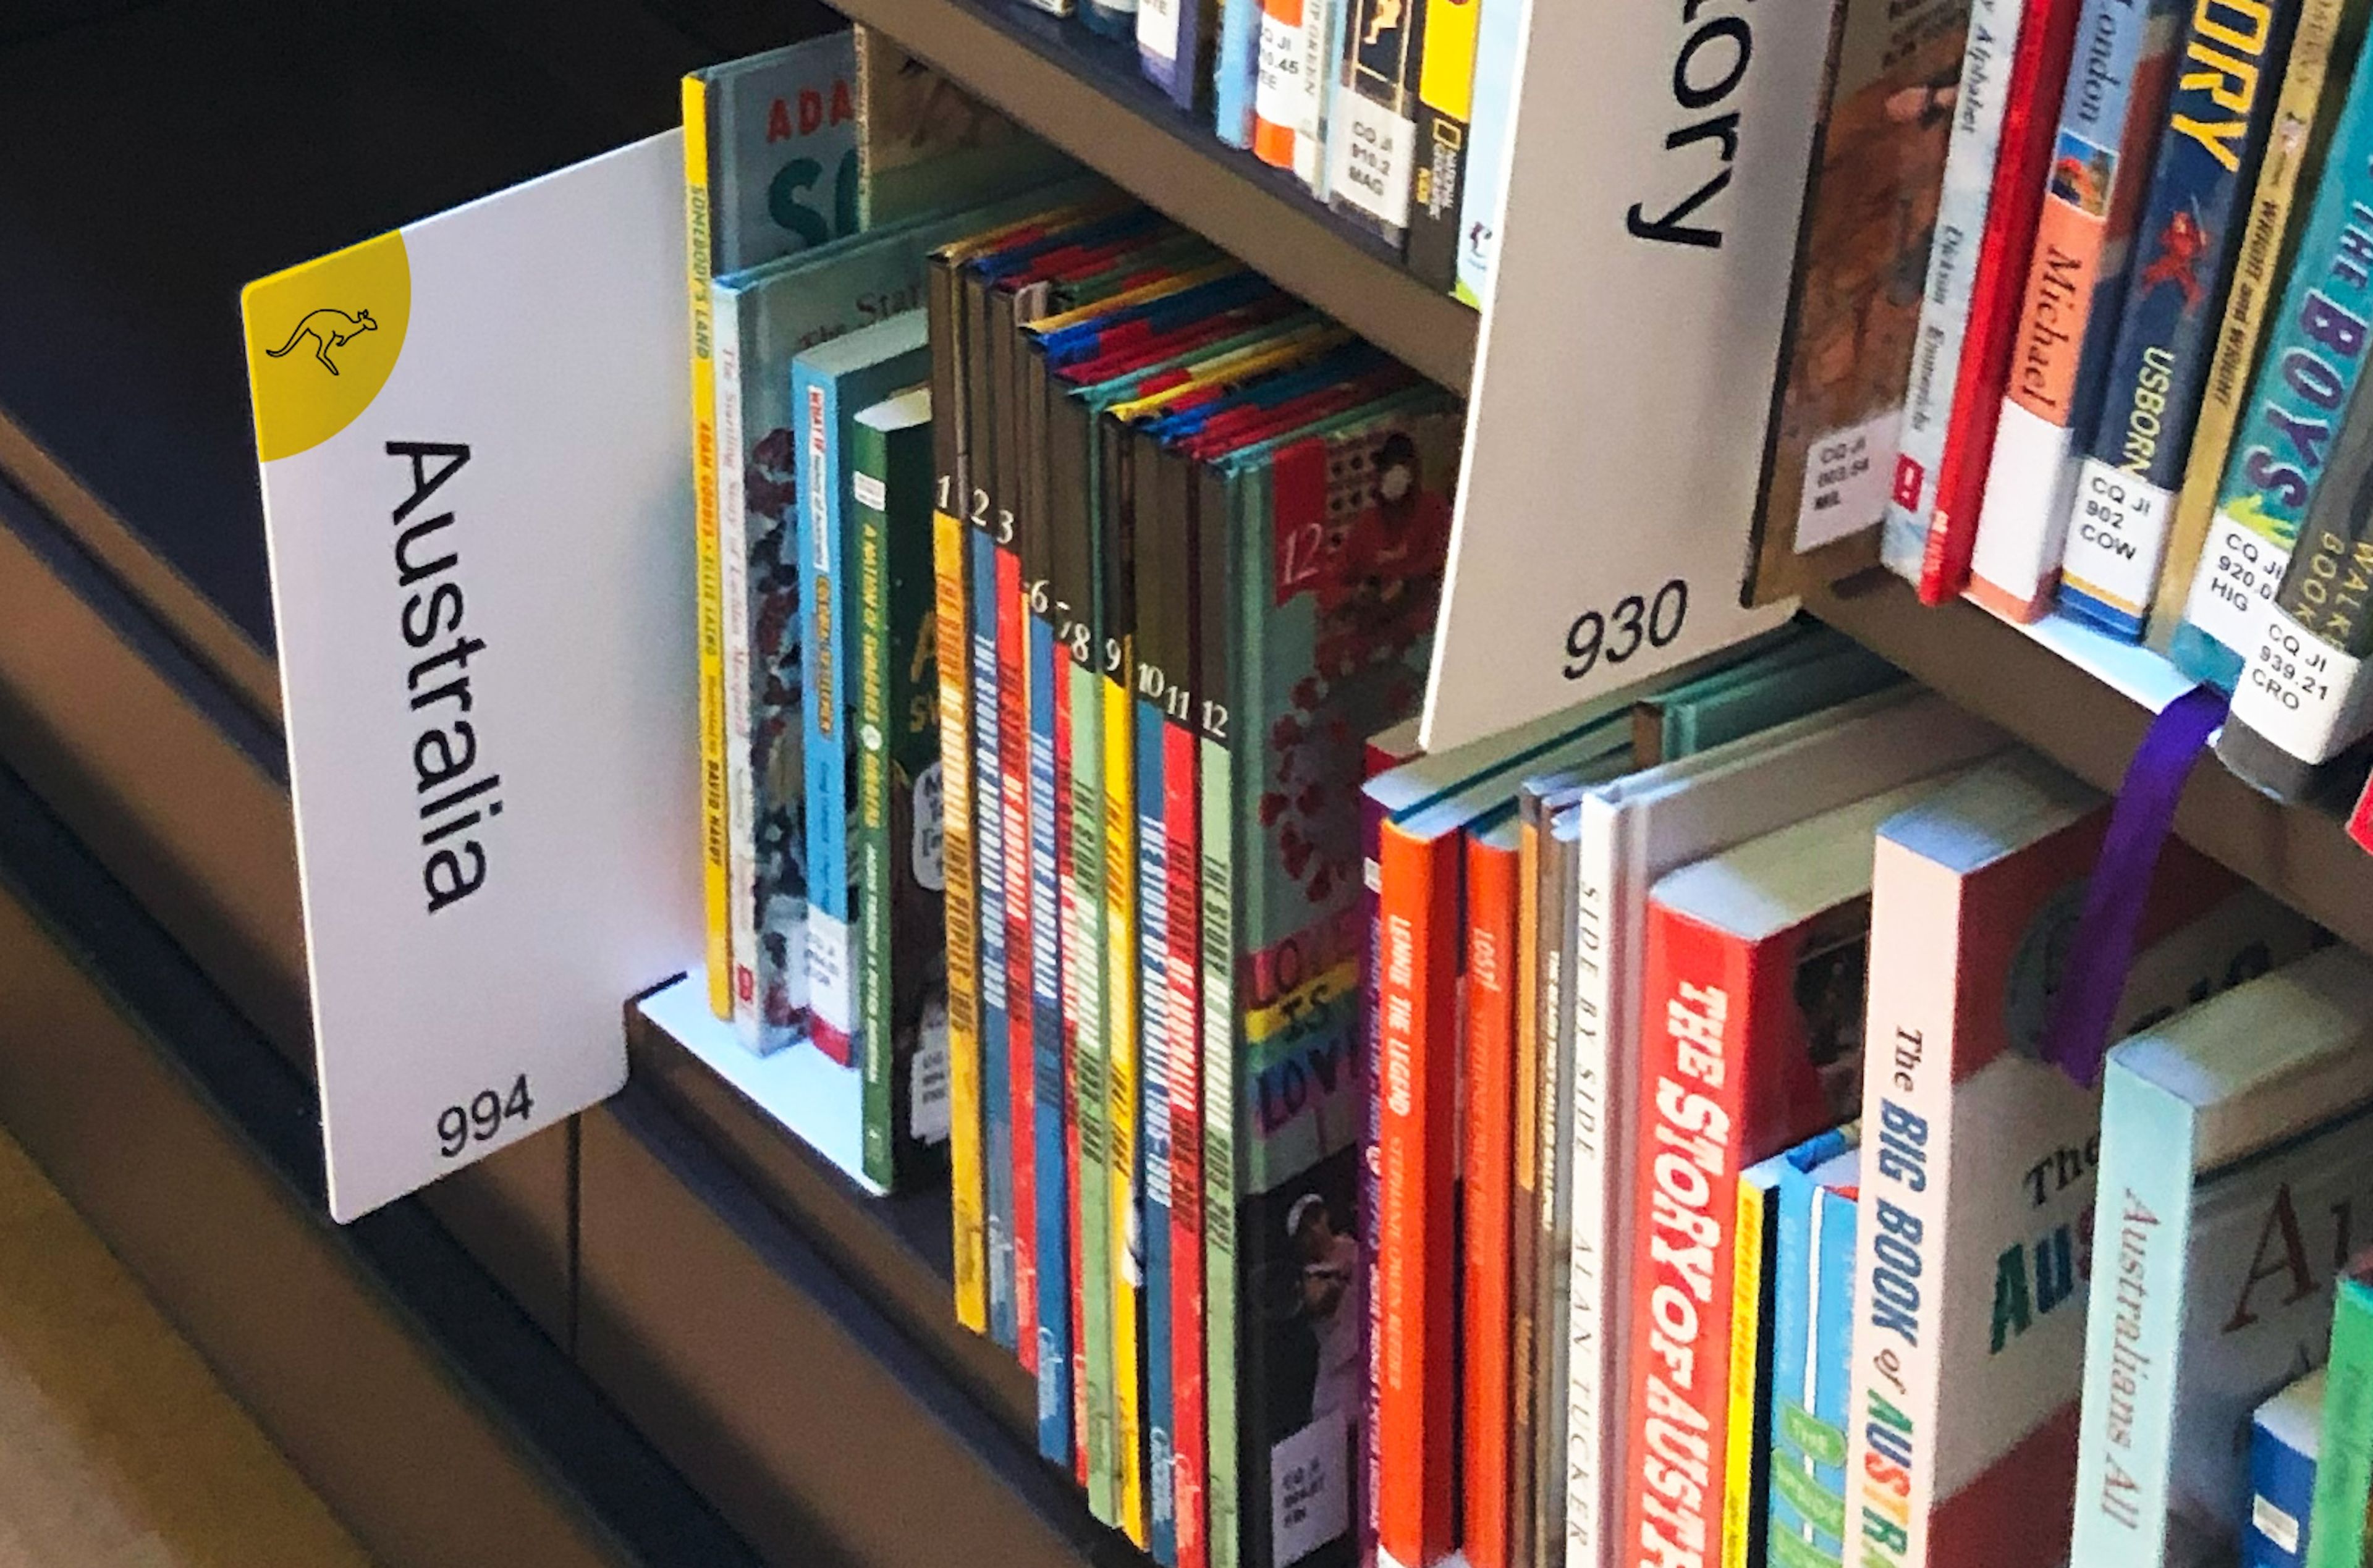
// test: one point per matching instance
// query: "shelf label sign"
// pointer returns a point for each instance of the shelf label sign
(1630, 339)
(476, 467)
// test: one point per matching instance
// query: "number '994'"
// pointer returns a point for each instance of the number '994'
(459, 1126)
(1615, 634)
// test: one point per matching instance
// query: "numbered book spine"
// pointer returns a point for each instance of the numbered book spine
(1415, 992)
(2039, 65)
(2109, 121)
(1116, 574)
(1182, 833)
(1486, 1159)
(2304, 117)
(2337, 1534)
(819, 548)
(2313, 360)
(1499, 41)
(2217, 116)
(716, 829)
(1217, 830)
(1055, 1086)
(1445, 105)
(2304, 696)
(1236, 70)
(1982, 98)
(952, 627)
(1370, 146)
(1159, 592)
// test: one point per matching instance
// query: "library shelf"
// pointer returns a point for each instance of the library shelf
(2089, 717)
(1084, 94)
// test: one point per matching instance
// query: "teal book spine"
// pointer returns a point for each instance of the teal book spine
(2307, 377)
(2337, 1537)
(782, 139)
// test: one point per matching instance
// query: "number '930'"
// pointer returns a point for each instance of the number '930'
(477, 1121)
(1616, 634)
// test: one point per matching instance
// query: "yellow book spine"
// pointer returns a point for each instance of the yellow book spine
(716, 829)
(1446, 69)
(1120, 1035)
(964, 1172)
(1746, 1331)
(2291, 150)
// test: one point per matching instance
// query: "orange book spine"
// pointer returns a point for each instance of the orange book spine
(1489, 1167)
(1278, 90)
(1418, 899)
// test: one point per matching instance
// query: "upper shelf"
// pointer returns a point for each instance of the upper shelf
(1084, 94)
(2090, 722)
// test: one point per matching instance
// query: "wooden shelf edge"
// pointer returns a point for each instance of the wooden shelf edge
(1066, 86)
(2302, 856)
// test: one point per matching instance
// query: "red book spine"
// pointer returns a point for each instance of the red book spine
(1181, 823)
(1417, 997)
(1691, 1118)
(2047, 36)
(1021, 1065)
(1071, 1090)
(1489, 1167)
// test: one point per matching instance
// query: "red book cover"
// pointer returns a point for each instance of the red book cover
(2047, 36)
(1417, 994)
(1021, 1069)
(1183, 887)
(1750, 1042)
(1489, 1167)
(1071, 1097)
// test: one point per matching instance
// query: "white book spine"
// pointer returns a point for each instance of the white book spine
(2029, 485)
(1608, 899)
(1900, 1236)
(1952, 271)
(1317, 45)
(1157, 31)
(733, 576)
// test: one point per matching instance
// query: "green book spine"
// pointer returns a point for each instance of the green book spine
(2344, 1465)
(902, 976)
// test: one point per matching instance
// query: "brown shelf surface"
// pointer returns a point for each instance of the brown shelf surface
(2300, 855)
(1084, 94)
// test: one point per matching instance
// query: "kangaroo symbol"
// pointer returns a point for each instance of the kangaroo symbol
(329, 329)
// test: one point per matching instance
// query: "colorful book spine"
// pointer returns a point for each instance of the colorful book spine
(1182, 969)
(1746, 1498)
(997, 1100)
(2283, 1438)
(1498, 43)
(2313, 358)
(1158, 610)
(1488, 1161)
(951, 624)
(1121, 1012)
(1812, 1333)
(2217, 117)
(2109, 121)
(821, 550)
(2338, 1535)
(900, 813)
(1217, 831)
(2304, 117)
(1962, 217)
(716, 828)
(762, 985)
(1445, 96)
(1055, 1084)
(1558, 1397)
(1236, 70)
(1371, 139)
(2039, 66)
(1292, 85)
(1416, 995)
(1524, 1183)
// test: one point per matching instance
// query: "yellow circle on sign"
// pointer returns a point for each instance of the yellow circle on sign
(321, 341)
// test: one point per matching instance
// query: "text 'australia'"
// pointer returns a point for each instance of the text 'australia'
(457, 799)
(1707, 72)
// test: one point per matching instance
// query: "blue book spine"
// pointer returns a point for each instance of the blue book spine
(2228, 75)
(2314, 358)
(1499, 39)
(826, 708)
(1186, 77)
(1049, 1146)
(1233, 70)
(2282, 1446)
(988, 837)
(1812, 1330)
(1153, 1141)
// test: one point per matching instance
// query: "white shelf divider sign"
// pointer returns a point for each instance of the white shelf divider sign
(1630, 339)
(476, 455)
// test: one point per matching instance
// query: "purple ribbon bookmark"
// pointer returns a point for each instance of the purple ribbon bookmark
(2077, 1035)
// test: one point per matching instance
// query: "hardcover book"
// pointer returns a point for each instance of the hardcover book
(1812, 1336)
(2218, 114)
(1965, 1415)
(2283, 1437)
(1751, 1042)
(2234, 1141)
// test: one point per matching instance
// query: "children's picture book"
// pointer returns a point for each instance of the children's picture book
(1966, 1397)
(2284, 1438)
(2234, 1145)
(1811, 1336)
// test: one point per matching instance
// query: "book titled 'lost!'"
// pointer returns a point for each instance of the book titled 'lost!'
(475, 464)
